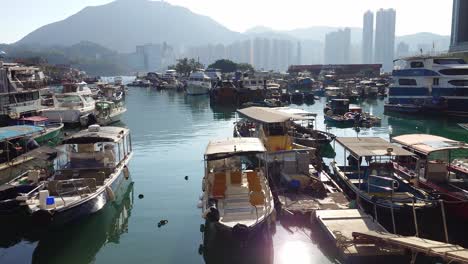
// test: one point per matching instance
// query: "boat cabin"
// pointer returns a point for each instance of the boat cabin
(368, 167)
(235, 181)
(437, 159)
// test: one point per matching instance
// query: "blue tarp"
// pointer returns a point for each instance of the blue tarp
(10, 132)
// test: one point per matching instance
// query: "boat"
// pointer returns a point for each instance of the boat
(75, 101)
(430, 84)
(170, 80)
(237, 202)
(224, 92)
(304, 131)
(20, 91)
(94, 168)
(376, 187)
(107, 112)
(51, 133)
(339, 112)
(140, 83)
(334, 92)
(198, 83)
(297, 96)
(20, 149)
(440, 166)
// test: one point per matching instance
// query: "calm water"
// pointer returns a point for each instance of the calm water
(170, 132)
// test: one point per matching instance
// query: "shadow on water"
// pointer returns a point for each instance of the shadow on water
(78, 242)
(223, 112)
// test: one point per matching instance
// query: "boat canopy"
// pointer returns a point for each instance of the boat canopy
(218, 149)
(426, 144)
(12, 132)
(304, 114)
(95, 134)
(371, 147)
(270, 115)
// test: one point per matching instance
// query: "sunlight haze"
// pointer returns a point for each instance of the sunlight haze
(241, 15)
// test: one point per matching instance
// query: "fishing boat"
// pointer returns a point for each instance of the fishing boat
(95, 166)
(51, 133)
(108, 112)
(439, 165)
(429, 84)
(75, 101)
(17, 145)
(198, 83)
(224, 92)
(377, 188)
(339, 112)
(237, 202)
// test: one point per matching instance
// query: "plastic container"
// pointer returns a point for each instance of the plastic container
(50, 202)
(43, 195)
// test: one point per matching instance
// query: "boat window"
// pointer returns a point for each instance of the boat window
(449, 61)
(417, 64)
(68, 99)
(407, 82)
(88, 98)
(435, 81)
(454, 71)
(35, 95)
(459, 82)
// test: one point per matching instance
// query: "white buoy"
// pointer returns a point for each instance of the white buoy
(110, 194)
(200, 204)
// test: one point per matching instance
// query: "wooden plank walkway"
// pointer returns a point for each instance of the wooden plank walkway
(448, 252)
(339, 225)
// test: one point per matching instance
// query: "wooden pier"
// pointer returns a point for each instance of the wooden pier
(448, 252)
(340, 225)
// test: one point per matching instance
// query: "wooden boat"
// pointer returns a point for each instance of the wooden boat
(16, 146)
(94, 169)
(438, 165)
(51, 134)
(339, 112)
(237, 202)
(224, 92)
(378, 189)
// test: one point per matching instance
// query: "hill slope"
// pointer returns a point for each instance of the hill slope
(123, 24)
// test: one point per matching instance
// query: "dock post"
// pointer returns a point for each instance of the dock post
(393, 217)
(442, 208)
(415, 220)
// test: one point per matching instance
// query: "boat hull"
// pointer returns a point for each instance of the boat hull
(87, 206)
(196, 90)
(70, 116)
(50, 137)
(112, 118)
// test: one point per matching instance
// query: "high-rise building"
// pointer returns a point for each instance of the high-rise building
(367, 37)
(402, 50)
(337, 47)
(384, 48)
(459, 37)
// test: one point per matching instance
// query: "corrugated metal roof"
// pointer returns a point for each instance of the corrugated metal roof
(234, 145)
(371, 146)
(426, 144)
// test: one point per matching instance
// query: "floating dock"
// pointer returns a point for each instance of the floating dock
(340, 225)
(448, 252)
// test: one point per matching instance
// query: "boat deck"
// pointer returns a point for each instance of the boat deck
(448, 252)
(305, 204)
(340, 225)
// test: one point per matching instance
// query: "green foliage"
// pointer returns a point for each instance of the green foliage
(185, 66)
(230, 66)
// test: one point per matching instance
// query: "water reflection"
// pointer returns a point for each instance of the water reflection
(78, 242)
(223, 112)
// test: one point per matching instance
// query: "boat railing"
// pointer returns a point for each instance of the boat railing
(75, 187)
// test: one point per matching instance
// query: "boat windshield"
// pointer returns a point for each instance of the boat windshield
(99, 155)
(68, 100)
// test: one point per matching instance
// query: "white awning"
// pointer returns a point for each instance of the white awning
(270, 115)
(234, 145)
(426, 144)
(371, 146)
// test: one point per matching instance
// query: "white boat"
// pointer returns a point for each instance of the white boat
(198, 83)
(76, 101)
(237, 201)
(94, 172)
(108, 112)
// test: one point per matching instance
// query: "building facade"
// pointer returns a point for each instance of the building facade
(368, 37)
(384, 47)
(337, 47)
(459, 36)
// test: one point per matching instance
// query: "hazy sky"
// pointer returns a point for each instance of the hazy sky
(19, 17)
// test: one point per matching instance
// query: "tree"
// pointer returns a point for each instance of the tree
(224, 65)
(245, 67)
(185, 66)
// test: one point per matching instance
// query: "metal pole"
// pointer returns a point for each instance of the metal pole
(415, 220)
(359, 173)
(393, 217)
(375, 213)
(442, 208)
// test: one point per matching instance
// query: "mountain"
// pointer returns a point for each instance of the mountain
(425, 40)
(123, 24)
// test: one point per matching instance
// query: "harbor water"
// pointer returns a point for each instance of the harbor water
(169, 134)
